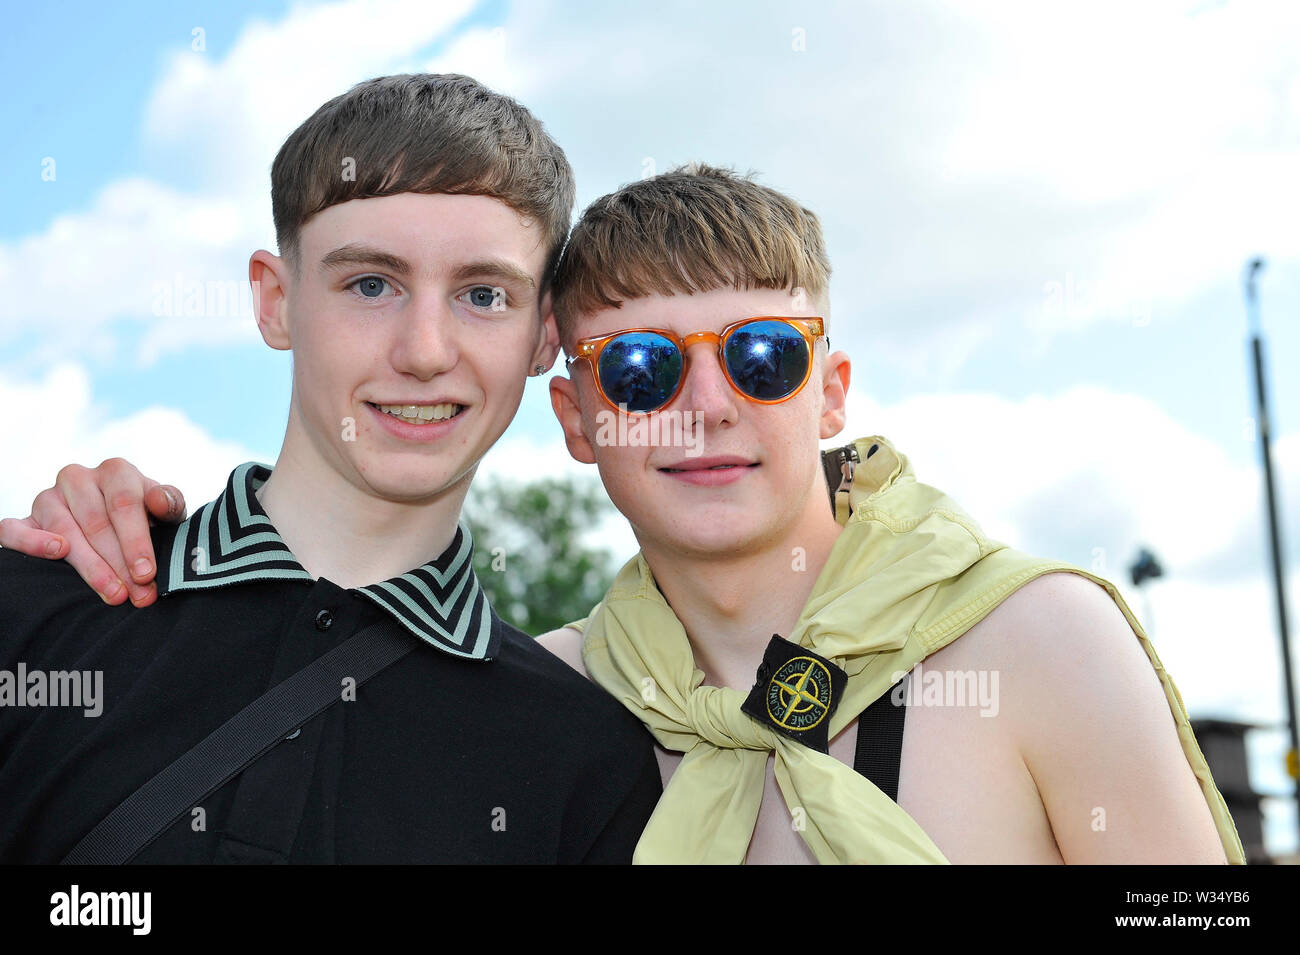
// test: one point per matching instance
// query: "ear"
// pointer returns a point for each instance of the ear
(269, 276)
(564, 402)
(835, 388)
(549, 344)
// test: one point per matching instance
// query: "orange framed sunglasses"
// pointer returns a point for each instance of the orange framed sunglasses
(767, 359)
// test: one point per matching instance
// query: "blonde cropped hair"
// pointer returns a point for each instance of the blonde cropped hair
(696, 228)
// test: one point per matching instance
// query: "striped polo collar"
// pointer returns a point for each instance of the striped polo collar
(231, 541)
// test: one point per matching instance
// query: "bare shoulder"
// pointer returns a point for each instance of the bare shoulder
(1080, 760)
(1051, 625)
(1019, 627)
(1095, 728)
(1050, 598)
(1068, 641)
(565, 643)
(1064, 599)
(1064, 646)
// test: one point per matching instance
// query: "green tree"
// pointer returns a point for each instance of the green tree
(529, 551)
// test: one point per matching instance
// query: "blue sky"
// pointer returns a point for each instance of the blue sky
(1038, 217)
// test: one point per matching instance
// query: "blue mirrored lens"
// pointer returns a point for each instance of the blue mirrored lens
(767, 360)
(640, 370)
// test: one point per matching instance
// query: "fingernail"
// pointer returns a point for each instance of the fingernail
(171, 502)
(115, 588)
(142, 567)
(53, 547)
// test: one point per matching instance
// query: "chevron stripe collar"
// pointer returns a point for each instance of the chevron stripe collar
(231, 541)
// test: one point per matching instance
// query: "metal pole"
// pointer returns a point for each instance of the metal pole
(1275, 536)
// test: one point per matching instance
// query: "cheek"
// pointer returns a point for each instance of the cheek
(792, 447)
(500, 375)
(622, 471)
(330, 357)
(504, 395)
(500, 354)
(497, 371)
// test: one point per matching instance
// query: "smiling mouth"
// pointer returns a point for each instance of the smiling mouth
(420, 414)
(715, 467)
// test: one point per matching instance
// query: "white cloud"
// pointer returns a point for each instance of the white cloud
(164, 443)
(230, 115)
(220, 120)
(963, 156)
(1081, 469)
(138, 239)
(491, 56)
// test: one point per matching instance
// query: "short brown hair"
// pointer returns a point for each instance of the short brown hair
(423, 133)
(695, 228)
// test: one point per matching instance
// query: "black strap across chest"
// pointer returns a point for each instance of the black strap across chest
(237, 743)
(880, 739)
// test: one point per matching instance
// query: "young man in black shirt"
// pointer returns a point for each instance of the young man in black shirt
(418, 219)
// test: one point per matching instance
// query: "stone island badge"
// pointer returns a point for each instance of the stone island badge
(795, 693)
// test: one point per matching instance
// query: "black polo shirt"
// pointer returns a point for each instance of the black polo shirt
(477, 746)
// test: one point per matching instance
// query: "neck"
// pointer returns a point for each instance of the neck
(338, 531)
(728, 619)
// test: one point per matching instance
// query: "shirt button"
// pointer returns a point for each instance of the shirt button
(323, 620)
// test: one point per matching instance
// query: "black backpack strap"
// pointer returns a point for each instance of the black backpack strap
(880, 739)
(227, 750)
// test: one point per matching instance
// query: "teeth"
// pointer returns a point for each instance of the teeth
(419, 414)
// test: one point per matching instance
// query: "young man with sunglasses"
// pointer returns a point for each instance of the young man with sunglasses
(331, 598)
(764, 633)
(768, 627)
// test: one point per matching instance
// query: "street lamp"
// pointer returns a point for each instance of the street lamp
(1253, 269)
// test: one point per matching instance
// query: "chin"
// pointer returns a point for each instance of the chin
(710, 537)
(413, 480)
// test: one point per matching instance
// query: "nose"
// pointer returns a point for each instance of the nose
(706, 390)
(425, 341)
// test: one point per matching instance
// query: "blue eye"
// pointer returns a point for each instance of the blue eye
(371, 286)
(486, 296)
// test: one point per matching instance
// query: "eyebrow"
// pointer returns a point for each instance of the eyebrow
(358, 254)
(496, 267)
